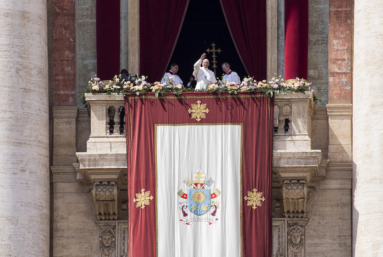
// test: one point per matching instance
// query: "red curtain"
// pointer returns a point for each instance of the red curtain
(254, 112)
(296, 38)
(108, 38)
(160, 25)
(246, 20)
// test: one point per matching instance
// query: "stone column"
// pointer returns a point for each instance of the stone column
(368, 128)
(134, 36)
(24, 129)
(124, 34)
(272, 38)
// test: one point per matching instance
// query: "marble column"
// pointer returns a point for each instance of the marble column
(368, 128)
(24, 129)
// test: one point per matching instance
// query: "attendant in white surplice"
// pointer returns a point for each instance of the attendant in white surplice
(171, 75)
(230, 76)
(203, 75)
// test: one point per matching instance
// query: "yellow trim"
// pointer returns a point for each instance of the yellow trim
(240, 207)
(188, 97)
(131, 186)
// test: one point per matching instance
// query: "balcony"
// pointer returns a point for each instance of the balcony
(294, 160)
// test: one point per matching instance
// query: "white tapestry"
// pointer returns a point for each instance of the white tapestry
(198, 180)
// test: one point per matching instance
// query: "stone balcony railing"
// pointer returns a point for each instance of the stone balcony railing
(295, 163)
(292, 122)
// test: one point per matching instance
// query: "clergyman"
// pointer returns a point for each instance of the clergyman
(230, 76)
(172, 73)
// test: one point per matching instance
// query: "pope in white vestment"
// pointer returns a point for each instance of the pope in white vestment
(230, 75)
(203, 75)
(172, 76)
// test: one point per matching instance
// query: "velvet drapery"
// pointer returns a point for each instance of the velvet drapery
(246, 20)
(254, 112)
(160, 25)
(108, 38)
(296, 38)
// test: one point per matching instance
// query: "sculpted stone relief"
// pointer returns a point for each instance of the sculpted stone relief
(295, 238)
(107, 241)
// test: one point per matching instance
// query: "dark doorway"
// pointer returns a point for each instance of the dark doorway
(204, 24)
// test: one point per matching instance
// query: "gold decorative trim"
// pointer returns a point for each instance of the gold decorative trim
(254, 199)
(131, 183)
(191, 97)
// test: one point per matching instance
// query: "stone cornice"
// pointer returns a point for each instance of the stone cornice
(339, 109)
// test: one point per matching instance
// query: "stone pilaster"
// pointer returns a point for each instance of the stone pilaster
(368, 129)
(64, 135)
(24, 129)
(64, 53)
(134, 36)
(272, 38)
(124, 34)
(296, 237)
(86, 52)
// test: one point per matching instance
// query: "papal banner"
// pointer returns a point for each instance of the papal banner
(199, 175)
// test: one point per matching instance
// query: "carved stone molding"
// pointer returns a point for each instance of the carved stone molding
(107, 239)
(279, 244)
(122, 233)
(296, 237)
(105, 200)
(295, 198)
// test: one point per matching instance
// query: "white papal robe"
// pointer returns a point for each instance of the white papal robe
(232, 76)
(168, 75)
(204, 77)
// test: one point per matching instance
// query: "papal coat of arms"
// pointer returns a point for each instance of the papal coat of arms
(199, 204)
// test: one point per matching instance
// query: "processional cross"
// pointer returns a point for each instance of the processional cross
(214, 56)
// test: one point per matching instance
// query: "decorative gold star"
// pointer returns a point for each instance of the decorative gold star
(254, 198)
(194, 207)
(142, 199)
(198, 111)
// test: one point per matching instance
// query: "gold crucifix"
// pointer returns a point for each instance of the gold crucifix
(214, 56)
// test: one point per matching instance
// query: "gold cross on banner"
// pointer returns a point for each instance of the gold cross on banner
(142, 199)
(214, 56)
(254, 199)
(198, 111)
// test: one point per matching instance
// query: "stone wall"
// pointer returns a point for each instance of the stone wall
(64, 53)
(75, 231)
(328, 232)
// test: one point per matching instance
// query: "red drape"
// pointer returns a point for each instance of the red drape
(296, 38)
(246, 20)
(160, 25)
(108, 38)
(254, 112)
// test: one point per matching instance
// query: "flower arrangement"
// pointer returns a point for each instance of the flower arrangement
(275, 86)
